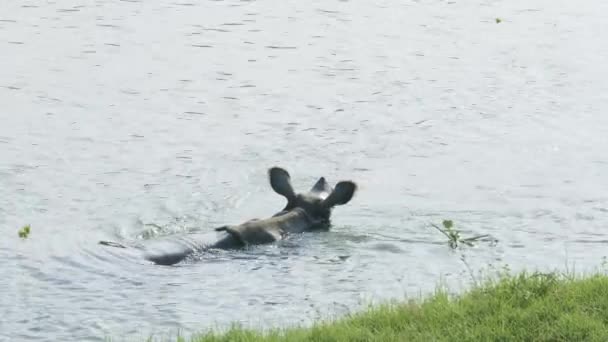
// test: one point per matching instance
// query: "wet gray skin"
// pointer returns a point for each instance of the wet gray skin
(303, 212)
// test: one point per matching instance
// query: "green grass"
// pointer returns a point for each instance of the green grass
(527, 307)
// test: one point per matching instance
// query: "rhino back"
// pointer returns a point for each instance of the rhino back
(258, 232)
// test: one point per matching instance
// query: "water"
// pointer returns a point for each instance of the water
(141, 122)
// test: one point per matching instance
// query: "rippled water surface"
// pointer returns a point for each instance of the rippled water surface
(149, 122)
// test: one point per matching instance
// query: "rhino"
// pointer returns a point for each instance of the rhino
(303, 212)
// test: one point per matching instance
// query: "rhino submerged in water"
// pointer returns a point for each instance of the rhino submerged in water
(304, 212)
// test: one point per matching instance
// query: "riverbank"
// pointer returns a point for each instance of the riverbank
(538, 307)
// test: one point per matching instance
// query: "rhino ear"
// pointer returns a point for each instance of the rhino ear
(342, 194)
(281, 183)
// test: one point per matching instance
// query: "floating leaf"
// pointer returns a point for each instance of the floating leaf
(448, 224)
(24, 232)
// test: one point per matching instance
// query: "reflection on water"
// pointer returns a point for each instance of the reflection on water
(153, 122)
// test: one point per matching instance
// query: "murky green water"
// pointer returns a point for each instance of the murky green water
(119, 117)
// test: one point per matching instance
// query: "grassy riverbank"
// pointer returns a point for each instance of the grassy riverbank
(528, 307)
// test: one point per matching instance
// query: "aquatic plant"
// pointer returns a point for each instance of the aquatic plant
(24, 232)
(453, 235)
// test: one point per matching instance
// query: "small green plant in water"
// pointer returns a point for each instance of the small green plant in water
(498, 20)
(24, 232)
(453, 235)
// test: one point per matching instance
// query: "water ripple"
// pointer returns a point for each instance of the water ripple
(151, 135)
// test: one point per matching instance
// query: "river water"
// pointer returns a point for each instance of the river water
(148, 121)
